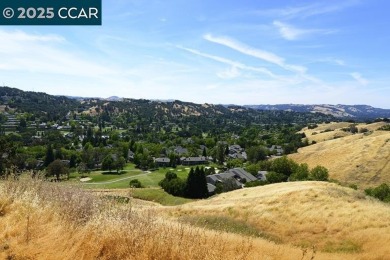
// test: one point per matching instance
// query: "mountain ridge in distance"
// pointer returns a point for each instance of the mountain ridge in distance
(359, 112)
(339, 110)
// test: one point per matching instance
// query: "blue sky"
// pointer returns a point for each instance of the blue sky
(241, 52)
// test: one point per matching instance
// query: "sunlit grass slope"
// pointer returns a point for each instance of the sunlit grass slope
(362, 159)
(46, 221)
(326, 216)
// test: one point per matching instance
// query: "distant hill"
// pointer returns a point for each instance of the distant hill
(114, 98)
(37, 103)
(340, 111)
(126, 110)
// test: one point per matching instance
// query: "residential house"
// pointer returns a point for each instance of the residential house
(262, 175)
(211, 188)
(237, 177)
(193, 160)
(242, 175)
(69, 135)
(237, 152)
(277, 149)
(222, 178)
(162, 162)
(130, 155)
(180, 150)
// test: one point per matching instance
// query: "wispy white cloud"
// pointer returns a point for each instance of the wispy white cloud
(230, 62)
(254, 52)
(359, 78)
(230, 73)
(25, 37)
(20, 51)
(334, 61)
(291, 33)
(309, 10)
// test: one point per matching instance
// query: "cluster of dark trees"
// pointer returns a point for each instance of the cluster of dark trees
(194, 187)
(279, 170)
(284, 169)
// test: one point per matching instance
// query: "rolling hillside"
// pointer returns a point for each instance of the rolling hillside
(47, 221)
(324, 215)
(362, 158)
(301, 220)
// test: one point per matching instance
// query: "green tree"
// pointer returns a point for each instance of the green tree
(173, 185)
(275, 177)
(119, 164)
(172, 160)
(235, 163)
(49, 158)
(256, 153)
(82, 168)
(108, 163)
(301, 173)
(22, 123)
(319, 173)
(135, 184)
(220, 153)
(57, 168)
(382, 192)
(284, 166)
(196, 186)
(204, 152)
(253, 169)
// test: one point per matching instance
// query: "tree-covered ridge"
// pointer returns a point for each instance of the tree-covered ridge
(128, 111)
(37, 104)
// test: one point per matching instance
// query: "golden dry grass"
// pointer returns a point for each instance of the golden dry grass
(331, 131)
(325, 215)
(46, 221)
(362, 159)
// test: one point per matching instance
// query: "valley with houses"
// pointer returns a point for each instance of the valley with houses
(177, 180)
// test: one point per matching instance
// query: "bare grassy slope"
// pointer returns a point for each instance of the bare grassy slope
(46, 221)
(325, 215)
(331, 131)
(363, 159)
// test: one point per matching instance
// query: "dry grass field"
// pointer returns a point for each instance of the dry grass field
(306, 220)
(362, 159)
(46, 221)
(305, 214)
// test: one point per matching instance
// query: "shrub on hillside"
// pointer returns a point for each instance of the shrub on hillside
(135, 183)
(382, 192)
(301, 173)
(172, 184)
(385, 128)
(319, 173)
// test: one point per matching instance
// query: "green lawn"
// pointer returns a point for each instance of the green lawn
(103, 176)
(159, 196)
(148, 179)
